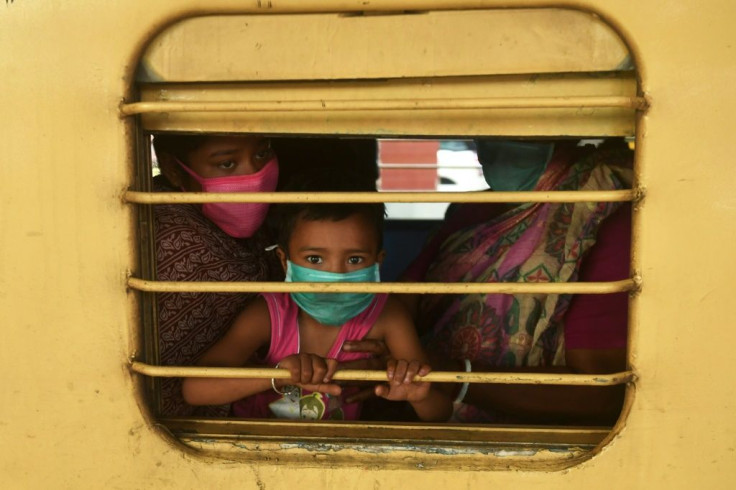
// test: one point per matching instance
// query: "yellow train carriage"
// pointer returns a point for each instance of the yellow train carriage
(85, 84)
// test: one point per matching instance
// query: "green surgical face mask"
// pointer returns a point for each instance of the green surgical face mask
(331, 308)
(513, 165)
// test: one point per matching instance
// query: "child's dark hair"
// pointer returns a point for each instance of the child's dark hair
(285, 216)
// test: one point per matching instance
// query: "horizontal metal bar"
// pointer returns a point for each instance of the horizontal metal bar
(363, 375)
(362, 197)
(424, 166)
(579, 102)
(385, 287)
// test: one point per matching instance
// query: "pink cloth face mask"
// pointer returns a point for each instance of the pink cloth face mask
(238, 219)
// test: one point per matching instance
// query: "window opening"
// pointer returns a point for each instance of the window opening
(435, 145)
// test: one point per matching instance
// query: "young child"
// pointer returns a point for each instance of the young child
(304, 332)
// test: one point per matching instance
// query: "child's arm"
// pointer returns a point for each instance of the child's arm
(397, 330)
(251, 330)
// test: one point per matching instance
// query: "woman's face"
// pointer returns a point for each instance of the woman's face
(226, 156)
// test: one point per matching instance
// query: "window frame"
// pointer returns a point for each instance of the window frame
(555, 447)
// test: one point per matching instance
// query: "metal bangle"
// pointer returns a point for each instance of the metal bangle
(464, 388)
(288, 389)
(273, 382)
(273, 385)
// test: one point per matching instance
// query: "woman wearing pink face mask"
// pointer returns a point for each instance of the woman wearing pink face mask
(208, 242)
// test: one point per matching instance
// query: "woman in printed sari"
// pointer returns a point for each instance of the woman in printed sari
(532, 242)
(210, 242)
(223, 242)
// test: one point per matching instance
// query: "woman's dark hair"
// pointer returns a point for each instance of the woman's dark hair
(285, 216)
(296, 154)
(299, 156)
(178, 145)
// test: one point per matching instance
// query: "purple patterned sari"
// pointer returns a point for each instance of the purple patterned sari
(534, 242)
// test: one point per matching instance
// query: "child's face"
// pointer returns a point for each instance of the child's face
(334, 246)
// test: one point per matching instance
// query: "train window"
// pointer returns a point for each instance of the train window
(438, 124)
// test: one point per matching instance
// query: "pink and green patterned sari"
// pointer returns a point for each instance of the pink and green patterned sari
(534, 242)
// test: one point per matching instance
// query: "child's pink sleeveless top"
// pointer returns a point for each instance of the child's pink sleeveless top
(285, 342)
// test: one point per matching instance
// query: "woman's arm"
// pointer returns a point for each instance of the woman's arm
(250, 331)
(595, 339)
(538, 403)
(599, 405)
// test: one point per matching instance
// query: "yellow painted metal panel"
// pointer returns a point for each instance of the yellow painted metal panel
(69, 415)
(340, 46)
